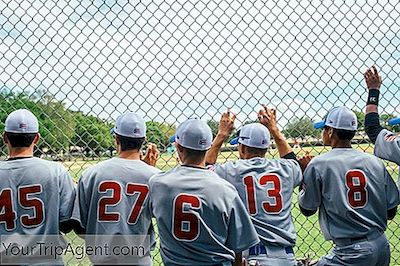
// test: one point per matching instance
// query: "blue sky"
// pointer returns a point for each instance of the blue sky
(169, 60)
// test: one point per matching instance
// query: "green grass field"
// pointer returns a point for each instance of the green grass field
(309, 237)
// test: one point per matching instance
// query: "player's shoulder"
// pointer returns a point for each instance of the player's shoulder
(170, 176)
(267, 163)
(49, 165)
(290, 163)
(151, 169)
(102, 165)
(388, 136)
(160, 175)
(163, 176)
(331, 155)
(342, 155)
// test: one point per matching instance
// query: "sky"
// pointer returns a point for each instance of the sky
(170, 60)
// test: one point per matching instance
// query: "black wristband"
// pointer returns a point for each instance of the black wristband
(373, 97)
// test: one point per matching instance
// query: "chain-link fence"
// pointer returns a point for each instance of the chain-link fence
(79, 64)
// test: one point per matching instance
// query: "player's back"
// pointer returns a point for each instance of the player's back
(36, 195)
(198, 216)
(113, 198)
(266, 187)
(353, 191)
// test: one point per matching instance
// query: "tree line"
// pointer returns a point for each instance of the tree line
(66, 130)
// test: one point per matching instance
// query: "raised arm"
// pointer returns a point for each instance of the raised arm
(374, 82)
(267, 117)
(225, 128)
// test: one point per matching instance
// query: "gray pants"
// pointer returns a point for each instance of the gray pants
(374, 252)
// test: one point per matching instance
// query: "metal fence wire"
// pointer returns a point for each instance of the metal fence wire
(79, 64)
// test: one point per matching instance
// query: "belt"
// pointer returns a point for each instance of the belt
(260, 249)
(352, 240)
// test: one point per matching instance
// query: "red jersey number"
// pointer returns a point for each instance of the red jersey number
(104, 215)
(356, 184)
(8, 215)
(28, 202)
(185, 222)
(273, 193)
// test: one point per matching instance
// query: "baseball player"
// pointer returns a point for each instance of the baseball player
(265, 185)
(200, 217)
(36, 196)
(113, 195)
(354, 193)
(387, 144)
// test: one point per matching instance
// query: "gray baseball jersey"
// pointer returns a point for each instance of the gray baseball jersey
(387, 146)
(352, 190)
(113, 198)
(266, 187)
(201, 218)
(36, 195)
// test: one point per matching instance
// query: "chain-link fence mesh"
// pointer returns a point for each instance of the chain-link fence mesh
(79, 64)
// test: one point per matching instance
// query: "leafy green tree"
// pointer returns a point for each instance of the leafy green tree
(159, 133)
(57, 124)
(301, 128)
(55, 121)
(214, 126)
(360, 119)
(92, 133)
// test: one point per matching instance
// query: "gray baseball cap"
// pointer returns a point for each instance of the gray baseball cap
(253, 135)
(339, 117)
(130, 125)
(21, 121)
(194, 134)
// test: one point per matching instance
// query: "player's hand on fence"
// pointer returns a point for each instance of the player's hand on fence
(267, 117)
(372, 78)
(152, 154)
(227, 124)
(304, 161)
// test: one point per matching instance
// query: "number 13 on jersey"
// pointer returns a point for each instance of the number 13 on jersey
(275, 204)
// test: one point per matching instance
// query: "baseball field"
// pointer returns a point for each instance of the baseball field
(309, 238)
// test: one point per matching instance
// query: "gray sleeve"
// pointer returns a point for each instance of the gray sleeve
(241, 232)
(392, 192)
(219, 169)
(387, 146)
(76, 213)
(297, 174)
(67, 196)
(310, 196)
(82, 203)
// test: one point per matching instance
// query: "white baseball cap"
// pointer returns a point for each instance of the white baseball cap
(194, 134)
(130, 125)
(339, 117)
(253, 135)
(21, 121)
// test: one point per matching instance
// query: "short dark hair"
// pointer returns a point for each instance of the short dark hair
(256, 151)
(343, 134)
(193, 155)
(128, 143)
(20, 140)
